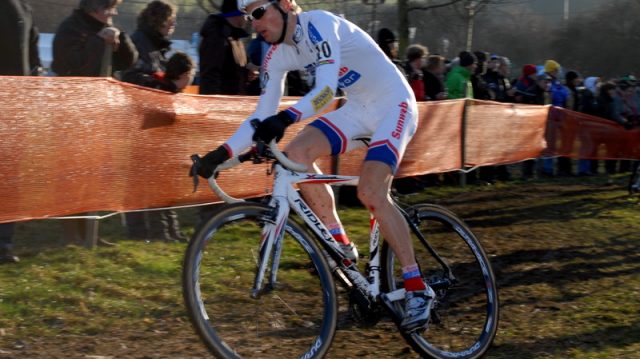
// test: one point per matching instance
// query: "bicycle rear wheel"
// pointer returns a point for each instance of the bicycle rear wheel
(464, 318)
(296, 319)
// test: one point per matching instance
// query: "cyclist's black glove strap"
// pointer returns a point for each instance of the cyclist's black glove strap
(211, 160)
(272, 127)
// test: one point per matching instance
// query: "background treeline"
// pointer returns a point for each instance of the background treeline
(604, 41)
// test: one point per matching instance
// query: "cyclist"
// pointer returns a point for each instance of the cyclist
(380, 104)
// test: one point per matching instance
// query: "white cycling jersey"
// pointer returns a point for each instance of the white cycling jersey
(338, 54)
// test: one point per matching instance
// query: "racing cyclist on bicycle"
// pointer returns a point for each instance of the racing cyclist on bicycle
(380, 104)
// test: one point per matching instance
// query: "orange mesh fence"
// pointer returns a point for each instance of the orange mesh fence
(503, 133)
(72, 145)
(578, 135)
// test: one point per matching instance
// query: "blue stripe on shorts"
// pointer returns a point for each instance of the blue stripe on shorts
(334, 138)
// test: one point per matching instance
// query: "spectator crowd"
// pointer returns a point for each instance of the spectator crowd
(485, 76)
(88, 43)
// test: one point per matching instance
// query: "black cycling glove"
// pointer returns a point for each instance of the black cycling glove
(272, 127)
(210, 161)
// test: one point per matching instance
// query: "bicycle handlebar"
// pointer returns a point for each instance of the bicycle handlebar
(284, 160)
(275, 151)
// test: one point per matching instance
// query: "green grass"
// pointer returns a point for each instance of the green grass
(566, 253)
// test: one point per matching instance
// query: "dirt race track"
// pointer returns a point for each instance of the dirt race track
(558, 285)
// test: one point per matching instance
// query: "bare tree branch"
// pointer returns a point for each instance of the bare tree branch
(479, 7)
(429, 7)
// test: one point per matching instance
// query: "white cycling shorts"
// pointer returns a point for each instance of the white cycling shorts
(390, 122)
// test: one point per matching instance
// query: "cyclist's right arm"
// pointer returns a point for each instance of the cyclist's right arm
(273, 87)
(272, 90)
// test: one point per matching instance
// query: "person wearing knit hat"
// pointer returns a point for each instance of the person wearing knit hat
(467, 59)
(458, 82)
(388, 43)
(230, 8)
(527, 89)
(529, 70)
(571, 76)
(573, 82)
(552, 68)
(559, 97)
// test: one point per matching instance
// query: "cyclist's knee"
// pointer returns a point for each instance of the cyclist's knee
(371, 197)
(300, 154)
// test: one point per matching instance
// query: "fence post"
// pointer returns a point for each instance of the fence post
(91, 232)
(463, 141)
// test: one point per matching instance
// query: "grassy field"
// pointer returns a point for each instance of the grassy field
(566, 253)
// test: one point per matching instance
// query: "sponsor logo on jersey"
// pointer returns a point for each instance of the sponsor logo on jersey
(297, 35)
(322, 99)
(314, 35)
(347, 77)
(268, 56)
(404, 107)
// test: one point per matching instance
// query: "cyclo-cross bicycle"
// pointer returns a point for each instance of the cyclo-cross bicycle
(258, 282)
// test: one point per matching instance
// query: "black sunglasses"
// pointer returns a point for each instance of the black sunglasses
(258, 12)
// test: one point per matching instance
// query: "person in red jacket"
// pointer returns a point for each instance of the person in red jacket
(416, 61)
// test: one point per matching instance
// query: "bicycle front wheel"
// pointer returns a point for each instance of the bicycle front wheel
(464, 318)
(294, 319)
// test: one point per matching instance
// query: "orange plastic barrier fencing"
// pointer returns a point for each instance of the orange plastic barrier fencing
(72, 145)
(578, 135)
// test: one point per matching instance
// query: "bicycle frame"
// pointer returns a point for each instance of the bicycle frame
(284, 199)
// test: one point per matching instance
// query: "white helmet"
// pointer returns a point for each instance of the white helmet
(242, 4)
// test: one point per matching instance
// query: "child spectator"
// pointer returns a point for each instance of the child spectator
(179, 74)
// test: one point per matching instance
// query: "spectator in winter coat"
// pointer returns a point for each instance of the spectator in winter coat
(498, 84)
(18, 40)
(527, 85)
(19, 44)
(87, 43)
(589, 103)
(573, 88)
(458, 82)
(156, 23)
(559, 95)
(480, 88)
(416, 60)
(223, 58)
(389, 45)
(434, 78)
(588, 167)
(609, 108)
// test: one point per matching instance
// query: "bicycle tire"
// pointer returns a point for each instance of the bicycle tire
(295, 319)
(464, 319)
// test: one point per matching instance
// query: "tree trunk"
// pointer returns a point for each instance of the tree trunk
(403, 26)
